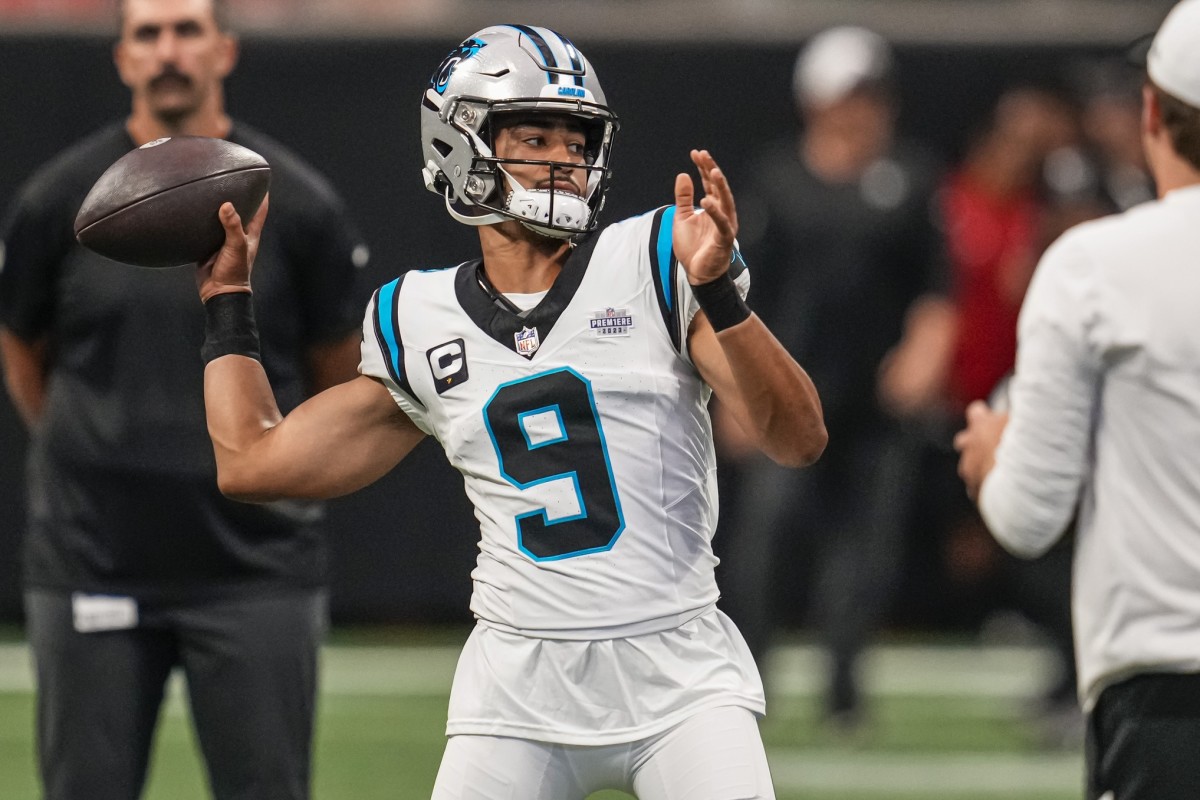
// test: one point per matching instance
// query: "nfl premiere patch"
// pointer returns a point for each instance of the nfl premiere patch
(527, 341)
(611, 322)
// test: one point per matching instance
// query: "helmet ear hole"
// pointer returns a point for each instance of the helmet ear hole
(443, 148)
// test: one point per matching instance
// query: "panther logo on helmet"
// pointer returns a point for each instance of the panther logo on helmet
(461, 53)
(508, 69)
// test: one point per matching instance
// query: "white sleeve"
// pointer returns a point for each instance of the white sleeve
(1030, 496)
(382, 355)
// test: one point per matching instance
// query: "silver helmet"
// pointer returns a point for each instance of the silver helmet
(502, 69)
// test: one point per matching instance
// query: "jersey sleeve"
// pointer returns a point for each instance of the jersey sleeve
(35, 235)
(383, 352)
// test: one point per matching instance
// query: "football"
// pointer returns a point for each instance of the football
(157, 205)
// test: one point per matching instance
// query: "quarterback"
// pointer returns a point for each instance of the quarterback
(566, 374)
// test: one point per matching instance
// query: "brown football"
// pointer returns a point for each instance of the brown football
(156, 206)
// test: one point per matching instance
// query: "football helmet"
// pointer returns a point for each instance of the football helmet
(513, 69)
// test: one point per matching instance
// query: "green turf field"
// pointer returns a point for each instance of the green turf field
(949, 726)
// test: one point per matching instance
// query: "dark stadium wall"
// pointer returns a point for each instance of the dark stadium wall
(403, 549)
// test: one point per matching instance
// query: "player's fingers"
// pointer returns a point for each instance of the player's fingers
(703, 169)
(721, 193)
(716, 184)
(235, 249)
(685, 195)
(231, 222)
(725, 231)
(254, 229)
(724, 193)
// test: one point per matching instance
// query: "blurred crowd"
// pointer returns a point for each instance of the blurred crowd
(896, 280)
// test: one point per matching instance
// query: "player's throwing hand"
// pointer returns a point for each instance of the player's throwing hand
(229, 269)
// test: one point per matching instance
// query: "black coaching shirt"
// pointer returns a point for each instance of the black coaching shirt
(121, 479)
(837, 266)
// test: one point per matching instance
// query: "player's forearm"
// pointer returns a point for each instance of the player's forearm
(241, 409)
(774, 399)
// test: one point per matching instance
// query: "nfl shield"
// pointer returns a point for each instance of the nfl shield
(527, 341)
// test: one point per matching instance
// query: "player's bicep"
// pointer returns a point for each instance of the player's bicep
(341, 440)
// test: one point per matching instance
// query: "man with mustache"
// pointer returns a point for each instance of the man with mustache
(134, 562)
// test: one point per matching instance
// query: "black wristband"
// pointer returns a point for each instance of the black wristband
(229, 327)
(721, 302)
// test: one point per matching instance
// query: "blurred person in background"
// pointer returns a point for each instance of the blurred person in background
(994, 213)
(1045, 161)
(841, 218)
(134, 563)
(1000, 213)
(1111, 123)
(1103, 429)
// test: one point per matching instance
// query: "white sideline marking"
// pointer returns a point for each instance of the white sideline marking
(961, 775)
(936, 671)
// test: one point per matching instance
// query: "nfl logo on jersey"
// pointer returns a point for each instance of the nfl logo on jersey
(527, 341)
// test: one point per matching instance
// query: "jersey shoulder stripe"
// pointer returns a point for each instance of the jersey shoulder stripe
(664, 267)
(387, 334)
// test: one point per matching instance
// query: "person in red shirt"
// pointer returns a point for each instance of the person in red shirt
(999, 217)
(993, 216)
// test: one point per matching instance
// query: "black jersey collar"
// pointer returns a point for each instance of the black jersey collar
(497, 317)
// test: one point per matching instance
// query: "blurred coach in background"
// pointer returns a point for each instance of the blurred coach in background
(1105, 417)
(133, 561)
(854, 282)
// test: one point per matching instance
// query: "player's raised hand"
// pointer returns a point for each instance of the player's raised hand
(703, 238)
(229, 269)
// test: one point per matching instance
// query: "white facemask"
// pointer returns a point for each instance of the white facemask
(534, 205)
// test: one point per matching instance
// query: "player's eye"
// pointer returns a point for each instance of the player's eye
(188, 29)
(145, 33)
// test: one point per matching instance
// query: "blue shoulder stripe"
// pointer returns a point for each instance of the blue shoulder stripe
(663, 267)
(387, 333)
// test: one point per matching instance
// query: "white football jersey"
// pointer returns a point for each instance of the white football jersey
(581, 429)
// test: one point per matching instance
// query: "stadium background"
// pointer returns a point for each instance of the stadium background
(340, 82)
(685, 75)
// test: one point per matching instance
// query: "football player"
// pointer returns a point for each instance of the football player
(566, 374)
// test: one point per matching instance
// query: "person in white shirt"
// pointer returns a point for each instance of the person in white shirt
(1105, 423)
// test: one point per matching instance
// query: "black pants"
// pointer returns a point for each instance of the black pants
(251, 669)
(847, 514)
(1143, 740)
